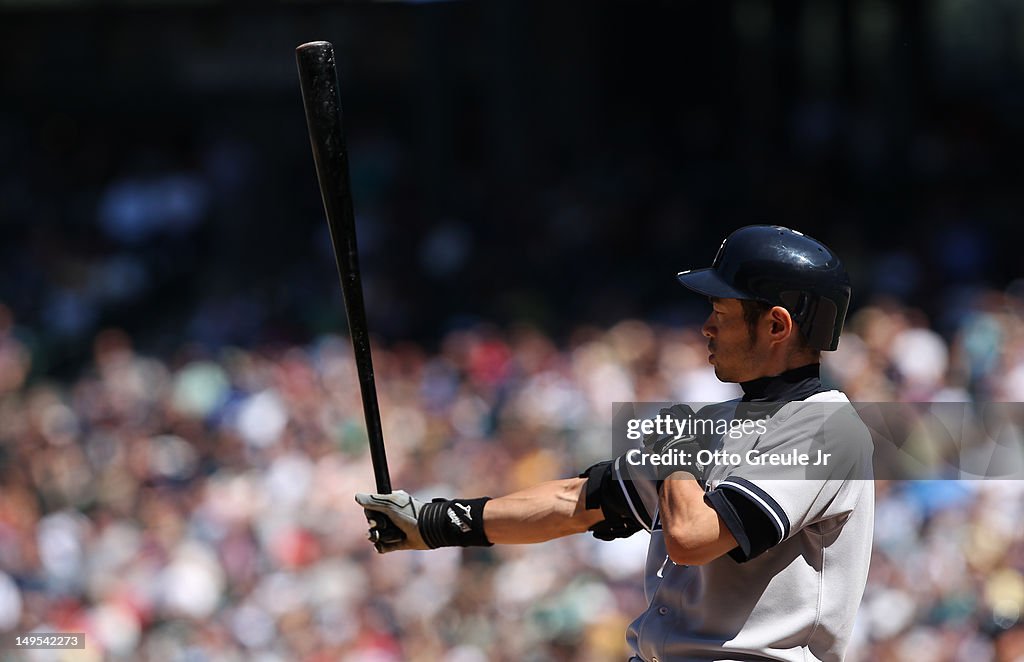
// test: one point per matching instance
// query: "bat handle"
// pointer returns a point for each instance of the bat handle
(383, 530)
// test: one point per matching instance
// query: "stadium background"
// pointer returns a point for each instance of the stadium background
(180, 434)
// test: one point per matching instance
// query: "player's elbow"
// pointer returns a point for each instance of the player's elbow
(685, 548)
(694, 533)
(696, 540)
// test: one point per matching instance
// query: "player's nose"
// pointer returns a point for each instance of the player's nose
(708, 329)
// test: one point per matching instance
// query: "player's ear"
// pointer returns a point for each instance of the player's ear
(781, 324)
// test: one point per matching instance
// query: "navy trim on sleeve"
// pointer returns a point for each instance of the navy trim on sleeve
(754, 530)
(763, 501)
(718, 500)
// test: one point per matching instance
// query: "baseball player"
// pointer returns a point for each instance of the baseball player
(756, 559)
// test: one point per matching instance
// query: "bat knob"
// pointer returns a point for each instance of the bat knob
(382, 530)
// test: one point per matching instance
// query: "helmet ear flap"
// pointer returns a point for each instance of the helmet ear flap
(797, 303)
(815, 317)
(822, 332)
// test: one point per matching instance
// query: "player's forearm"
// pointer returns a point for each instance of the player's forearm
(542, 512)
(694, 533)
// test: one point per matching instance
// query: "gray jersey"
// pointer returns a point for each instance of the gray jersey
(792, 588)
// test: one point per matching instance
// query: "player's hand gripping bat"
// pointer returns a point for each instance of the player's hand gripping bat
(318, 78)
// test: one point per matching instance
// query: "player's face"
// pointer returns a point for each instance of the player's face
(734, 353)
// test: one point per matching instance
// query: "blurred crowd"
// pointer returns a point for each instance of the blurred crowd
(199, 506)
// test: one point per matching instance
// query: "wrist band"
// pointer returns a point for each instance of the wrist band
(454, 523)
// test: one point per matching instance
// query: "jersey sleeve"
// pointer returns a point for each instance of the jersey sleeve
(639, 488)
(627, 498)
(763, 503)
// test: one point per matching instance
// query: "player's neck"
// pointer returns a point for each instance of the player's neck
(792, 384)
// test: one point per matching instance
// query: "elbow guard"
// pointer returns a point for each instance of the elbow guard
(624, 511)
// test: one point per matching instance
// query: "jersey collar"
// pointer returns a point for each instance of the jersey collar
(795, 384)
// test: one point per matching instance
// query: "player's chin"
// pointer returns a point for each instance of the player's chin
(723, 374)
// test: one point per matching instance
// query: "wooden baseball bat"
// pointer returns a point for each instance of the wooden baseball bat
(318, 78)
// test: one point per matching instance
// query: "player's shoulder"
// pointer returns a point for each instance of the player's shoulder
(719, 407)
(829, 416)
(834, 395)
(831, 411)
(825, 402)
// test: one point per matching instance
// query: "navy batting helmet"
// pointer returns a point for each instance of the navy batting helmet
(780, 267)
